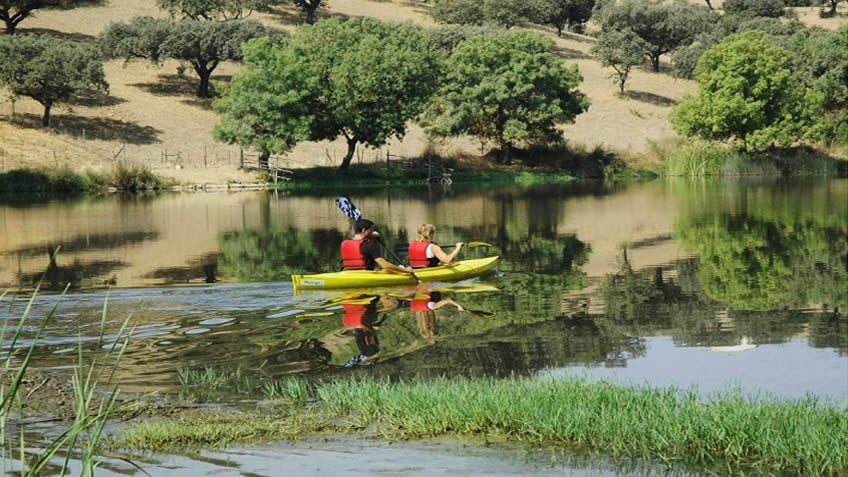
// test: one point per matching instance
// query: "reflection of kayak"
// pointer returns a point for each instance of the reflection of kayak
(366, 278)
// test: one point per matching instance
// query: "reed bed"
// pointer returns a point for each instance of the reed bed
(726, 432)
(83, 436)
(666, 424)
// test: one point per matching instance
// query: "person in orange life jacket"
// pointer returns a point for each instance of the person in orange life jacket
(364, 252)
(364, 319)
(425, 307)
(423, 252)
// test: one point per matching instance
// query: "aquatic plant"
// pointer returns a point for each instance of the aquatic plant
(724, 432)
(85, 432)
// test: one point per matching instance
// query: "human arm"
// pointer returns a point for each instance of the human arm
(446, 257)
(447, 301)
(387, 265)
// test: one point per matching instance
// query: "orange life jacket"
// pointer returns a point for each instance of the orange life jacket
(352, 257)
(418, 255)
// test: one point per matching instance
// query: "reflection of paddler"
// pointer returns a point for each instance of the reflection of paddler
(364, 317)
(424, 305)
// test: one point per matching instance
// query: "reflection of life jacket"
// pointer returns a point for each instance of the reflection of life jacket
(352, 257)
(353, 314)
(418, 255)
(420, 304)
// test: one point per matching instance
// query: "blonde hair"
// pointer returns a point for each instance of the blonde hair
(426, 231)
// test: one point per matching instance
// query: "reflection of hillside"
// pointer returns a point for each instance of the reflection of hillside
(86, 242)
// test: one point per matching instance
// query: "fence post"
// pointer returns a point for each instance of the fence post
(204, 155)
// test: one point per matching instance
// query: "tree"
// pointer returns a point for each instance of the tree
(13, 12)
(49, 70)
(509, 88)
(505, 13)
(755, 8)
(212, 9)
(203, 44)
(621, 51)
(820, 61)
(663, 25)
(362, 79)
(748, 94)
(562, 14)
(833, 4)
(309, 7)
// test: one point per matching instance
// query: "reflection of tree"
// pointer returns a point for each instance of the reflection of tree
(760, 265)
(829, 330)
(204, 268)
(56, 277)
(89, 242)
(274, 254)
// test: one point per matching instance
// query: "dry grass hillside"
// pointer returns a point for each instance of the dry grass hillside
(152, 117)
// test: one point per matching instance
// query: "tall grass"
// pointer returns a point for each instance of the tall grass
(726, 432)
(700, 158)
(92, 409)
(64, 179)
(666, 425)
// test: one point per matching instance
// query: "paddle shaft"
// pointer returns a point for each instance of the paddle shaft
(397, 259)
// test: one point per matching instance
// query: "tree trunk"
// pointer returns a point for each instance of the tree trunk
(351, 148)
(203, 87)
(263, 159)
(655, 61)
(310, 15)
(505, 155)
(709, 4)
(45, 120)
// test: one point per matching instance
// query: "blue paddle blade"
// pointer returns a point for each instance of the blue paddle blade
(346, 206)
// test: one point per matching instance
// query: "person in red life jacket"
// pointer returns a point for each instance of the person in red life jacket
(364, 251)
(423, 252)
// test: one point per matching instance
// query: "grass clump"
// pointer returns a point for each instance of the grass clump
(83, 437)
(134, 178)
(60, 179)
(659, 424)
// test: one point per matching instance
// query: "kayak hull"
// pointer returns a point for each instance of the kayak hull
(459, 270)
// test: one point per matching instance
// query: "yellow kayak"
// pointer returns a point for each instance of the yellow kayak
(459, 270)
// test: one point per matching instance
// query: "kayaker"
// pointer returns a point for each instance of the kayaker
(364, 251)
(424, 252)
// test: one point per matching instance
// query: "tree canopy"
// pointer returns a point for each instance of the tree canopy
(202, 44)
(49, 70)
(746, 93)
(509, 88)
(13, 12)
(620, 50)
(481, 12)
(362, 79)
(561, 14)
(212, 9)
(663, 25)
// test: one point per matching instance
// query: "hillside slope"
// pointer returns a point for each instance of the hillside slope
(152, 117)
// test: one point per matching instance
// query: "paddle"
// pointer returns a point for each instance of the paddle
(405, 245)
(351, 211)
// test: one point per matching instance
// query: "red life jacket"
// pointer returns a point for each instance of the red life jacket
(353, 314)
(418, 255)
(352, 257)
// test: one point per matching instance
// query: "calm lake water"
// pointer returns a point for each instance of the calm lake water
(718, 285)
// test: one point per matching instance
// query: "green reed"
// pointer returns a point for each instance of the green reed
(664, 425)
(83, 436)
(293, 389)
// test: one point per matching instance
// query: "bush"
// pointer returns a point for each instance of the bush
(134, 178)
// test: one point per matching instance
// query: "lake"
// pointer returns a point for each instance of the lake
(739, 284)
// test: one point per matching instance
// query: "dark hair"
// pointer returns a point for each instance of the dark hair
(363, 224)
